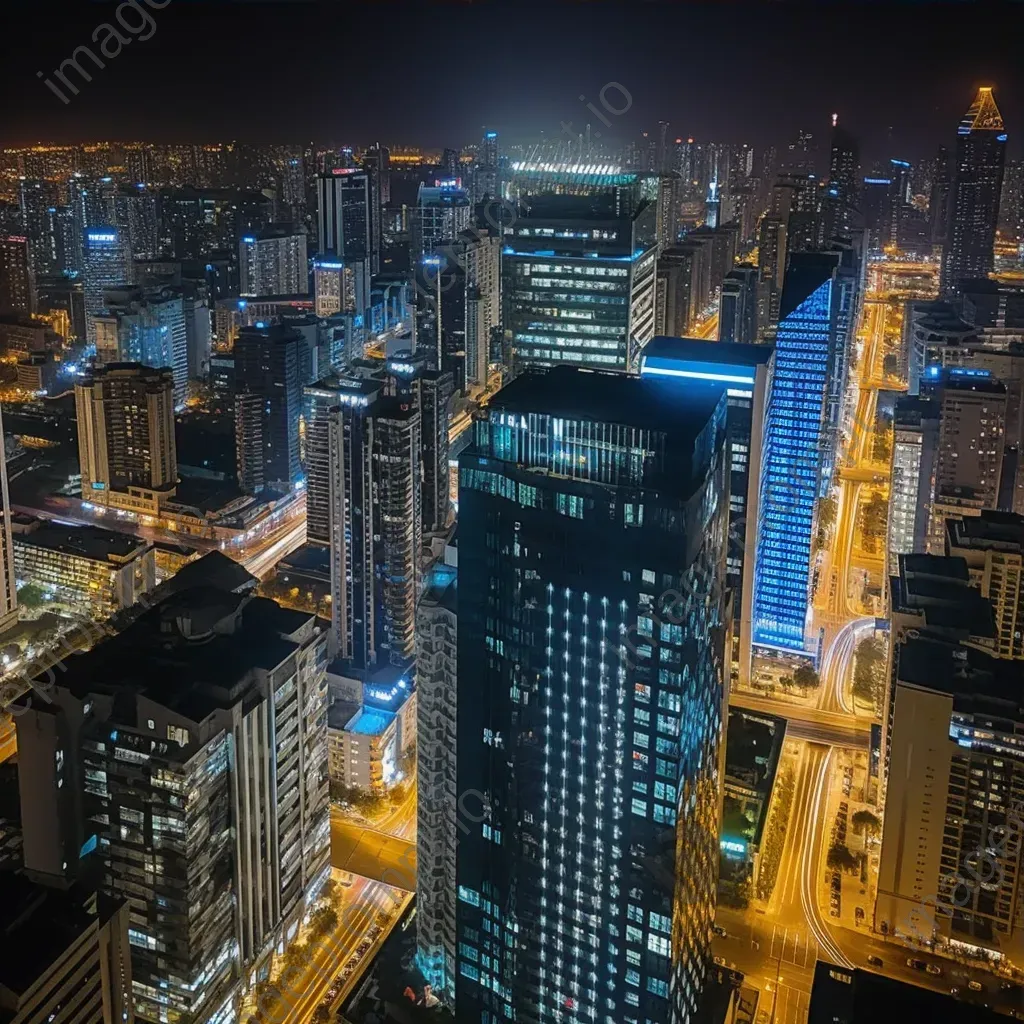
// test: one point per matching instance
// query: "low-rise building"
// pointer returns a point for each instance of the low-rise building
(362, 746)
(753, 746)
(95, 572)
(37, 372)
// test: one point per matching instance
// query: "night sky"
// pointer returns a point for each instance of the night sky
(433, 73)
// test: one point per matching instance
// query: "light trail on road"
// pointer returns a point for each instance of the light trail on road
(811, 867)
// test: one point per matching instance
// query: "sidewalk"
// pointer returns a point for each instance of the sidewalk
(842, 893)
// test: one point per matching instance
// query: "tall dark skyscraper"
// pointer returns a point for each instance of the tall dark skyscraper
(841, 196)
(974, 196)
(377, 164)
(269, 399)
(593, 516)
(17, 294)
(344, 220)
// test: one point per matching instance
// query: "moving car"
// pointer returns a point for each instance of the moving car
(875, 961)
(918, 965)
(974, 986)
(934, 969)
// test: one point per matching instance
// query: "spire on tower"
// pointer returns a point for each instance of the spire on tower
(983, 114)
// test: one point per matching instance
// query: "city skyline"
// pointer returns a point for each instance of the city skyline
(904, 107)
(553, 554)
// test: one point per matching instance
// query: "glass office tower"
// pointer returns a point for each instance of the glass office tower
(593, 520)
(795, 440)
(578, 270)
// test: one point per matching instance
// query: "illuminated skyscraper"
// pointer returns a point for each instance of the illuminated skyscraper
(841, 196)
(974, 195)
(442, 213)
(273, 262)
(579, 270)
(41, 222)
(146, 327)
(374, 495)
(195, 739)
(437, 831)
(107, 264)
(915, 441)
(970, 450)
(377, 165)
(337, 286)
(737, 316)
(486, 173)
(126, 442)
(793, 455)
(592, 516)
(344, 222)
(17, 293)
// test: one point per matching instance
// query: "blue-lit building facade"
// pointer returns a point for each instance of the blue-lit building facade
(744, 370)
(578, 275)
(592, 543)
(797, 452)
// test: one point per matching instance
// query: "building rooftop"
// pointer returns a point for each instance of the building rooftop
(973, 678)
(90, 542)
(609, 397)
(196, 649)
(665, 352)
(863, 997)
(37, 924)
(441, 588)
(938, 588)
(992, 530)
(807, 272)
(214, 569)
(369, 721)
(913, 410)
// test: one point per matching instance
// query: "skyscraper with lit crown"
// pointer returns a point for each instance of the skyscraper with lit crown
(974, 198)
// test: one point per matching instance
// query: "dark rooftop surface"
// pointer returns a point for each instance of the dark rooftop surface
(939, 587)
(807, 272)
(911, 410)
(970, 676)
(213, 569)
(85, 541)
(196, 647)
(38, 925)
(608, 397)
(701, 350)
(194, 651)
(999, 531)
(868, 998)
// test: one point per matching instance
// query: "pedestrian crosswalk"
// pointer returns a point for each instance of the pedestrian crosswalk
(793, 946)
